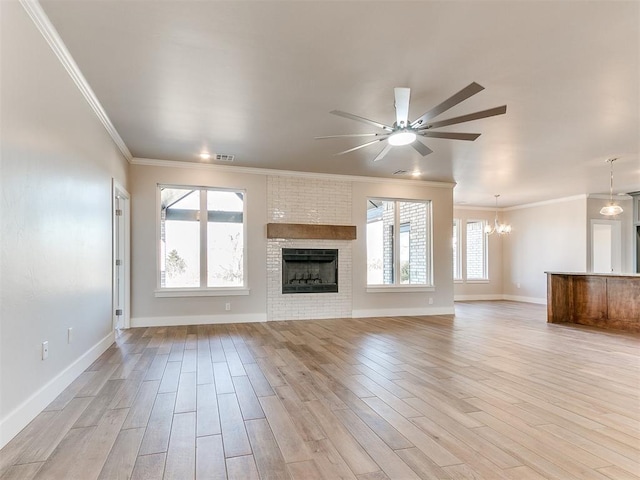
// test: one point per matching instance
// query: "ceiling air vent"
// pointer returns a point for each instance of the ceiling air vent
(221, 157)
(400, 172)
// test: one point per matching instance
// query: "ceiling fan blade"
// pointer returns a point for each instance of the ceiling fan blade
(351, 116)
(360, 146)
(450, 135)
(402, 96)
(383, 152)
(421, 148)
(352, 135)
(467, 118)
(452, 101)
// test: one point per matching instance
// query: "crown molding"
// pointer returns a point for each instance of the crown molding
(50, 34)
(582, 196)
(617, 196)
(480, 209)
(286, 173)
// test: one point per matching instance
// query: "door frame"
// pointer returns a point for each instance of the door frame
(616, 242)
(120, 195)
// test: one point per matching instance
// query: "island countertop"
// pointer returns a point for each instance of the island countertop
(596, 274)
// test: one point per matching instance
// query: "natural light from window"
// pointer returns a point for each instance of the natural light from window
(201, 237)
(398, 236)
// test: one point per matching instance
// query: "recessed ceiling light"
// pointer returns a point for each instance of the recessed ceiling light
(416, 173)
(205, 156)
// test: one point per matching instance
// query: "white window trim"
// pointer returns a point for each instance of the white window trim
(203, 290)
(404, 287)
(400, 288)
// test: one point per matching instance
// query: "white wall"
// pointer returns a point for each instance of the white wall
(550, 236)
(390, 303)
(626, 218)
(57, 164)
(146, 309)
(493, 288)
(149, 310)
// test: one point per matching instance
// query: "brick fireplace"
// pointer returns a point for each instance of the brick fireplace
(308, 201)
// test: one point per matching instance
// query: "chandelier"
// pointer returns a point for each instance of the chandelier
(612, 208)
(499, 228)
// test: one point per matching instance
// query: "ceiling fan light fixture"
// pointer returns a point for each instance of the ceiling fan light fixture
(402, 137)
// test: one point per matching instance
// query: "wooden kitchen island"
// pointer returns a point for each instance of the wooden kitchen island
(596, 299)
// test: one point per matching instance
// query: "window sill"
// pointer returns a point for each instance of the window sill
(201, 292)
(400, 288)
(458, 280)
(486, 280)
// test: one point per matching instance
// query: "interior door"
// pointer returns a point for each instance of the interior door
(606, 246)
(121, 268)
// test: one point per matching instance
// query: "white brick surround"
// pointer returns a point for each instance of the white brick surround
(311, 201)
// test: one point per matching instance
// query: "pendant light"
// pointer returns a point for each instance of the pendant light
(612, 208)
(500, 228)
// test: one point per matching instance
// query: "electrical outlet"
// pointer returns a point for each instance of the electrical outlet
(227, 306)
(430, 300)
(517, 285)
(45, 350)
(69, 335)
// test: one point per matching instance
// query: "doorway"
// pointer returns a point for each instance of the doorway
(606, 246)
(121, 261)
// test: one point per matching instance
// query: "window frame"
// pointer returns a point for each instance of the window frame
(396, 227)
(202, 290)
(485, 252)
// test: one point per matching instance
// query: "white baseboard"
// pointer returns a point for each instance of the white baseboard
(20, 417)
(518, 298)
(197, 320)
(403, 312)
(472, 298)
(513, 298)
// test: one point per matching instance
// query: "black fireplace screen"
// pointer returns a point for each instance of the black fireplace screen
(309, 270)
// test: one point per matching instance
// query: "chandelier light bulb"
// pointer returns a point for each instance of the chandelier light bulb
(500, 228)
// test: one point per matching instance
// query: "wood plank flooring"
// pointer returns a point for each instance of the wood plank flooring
(493, 392)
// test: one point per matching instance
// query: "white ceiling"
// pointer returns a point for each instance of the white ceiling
(258, 80)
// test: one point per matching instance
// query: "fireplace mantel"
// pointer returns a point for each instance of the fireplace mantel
(311, 231)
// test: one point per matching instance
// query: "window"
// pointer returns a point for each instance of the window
(476, 250)
(201, 238)
(457, 260)
(398, 242)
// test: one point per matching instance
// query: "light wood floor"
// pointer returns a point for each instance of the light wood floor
(494, 392)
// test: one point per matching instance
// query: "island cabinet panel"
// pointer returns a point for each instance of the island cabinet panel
(599, 300)
(590, 299)
(624, 302)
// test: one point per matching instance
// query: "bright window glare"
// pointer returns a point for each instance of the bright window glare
(219, 260)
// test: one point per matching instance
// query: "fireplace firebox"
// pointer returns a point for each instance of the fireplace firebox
(309, 270)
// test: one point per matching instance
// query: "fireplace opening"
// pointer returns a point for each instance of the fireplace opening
(309, 270)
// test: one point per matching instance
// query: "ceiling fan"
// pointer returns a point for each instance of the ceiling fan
(404, 132)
